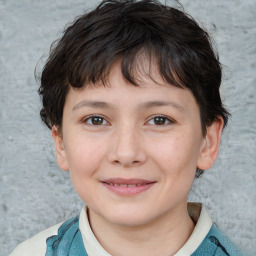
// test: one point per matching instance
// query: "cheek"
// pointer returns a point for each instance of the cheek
(84, 158)
(167, 150)
(174, 154)
(84, 155)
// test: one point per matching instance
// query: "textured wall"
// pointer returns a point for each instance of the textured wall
(35, 194)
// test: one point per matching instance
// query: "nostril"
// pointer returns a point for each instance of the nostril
(126, 163)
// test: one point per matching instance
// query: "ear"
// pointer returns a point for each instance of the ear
(210, 146)
(59, 148)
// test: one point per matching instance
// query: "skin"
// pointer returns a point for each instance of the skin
(127, 140)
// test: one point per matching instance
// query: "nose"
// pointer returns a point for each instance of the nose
(127, 147)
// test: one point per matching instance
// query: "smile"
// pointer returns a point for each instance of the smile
(124, 185)
(127, 187)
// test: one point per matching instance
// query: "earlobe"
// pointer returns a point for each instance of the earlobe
(59, 148)
(210, 146)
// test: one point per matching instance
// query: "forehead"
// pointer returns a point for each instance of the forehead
(118, 92)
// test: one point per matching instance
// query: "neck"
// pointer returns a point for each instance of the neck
(165, 235)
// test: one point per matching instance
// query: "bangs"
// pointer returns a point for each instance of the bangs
(138, 45)
(136, 64)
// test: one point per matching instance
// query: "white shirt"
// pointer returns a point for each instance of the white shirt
(36, 246)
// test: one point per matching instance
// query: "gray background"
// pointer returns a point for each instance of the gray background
(35, 194)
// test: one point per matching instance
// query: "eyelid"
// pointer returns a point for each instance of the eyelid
(85, 119)
(170, 120)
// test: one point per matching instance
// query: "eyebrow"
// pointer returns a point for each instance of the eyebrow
(151, 104)
(92, 104)
(144, 105)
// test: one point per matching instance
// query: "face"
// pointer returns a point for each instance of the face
(132, 152)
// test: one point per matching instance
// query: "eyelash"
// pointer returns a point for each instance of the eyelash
(94, 116)
(164, 118)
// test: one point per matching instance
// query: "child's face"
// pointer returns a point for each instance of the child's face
(148, 137)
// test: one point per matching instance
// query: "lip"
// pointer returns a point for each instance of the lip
(127, 187)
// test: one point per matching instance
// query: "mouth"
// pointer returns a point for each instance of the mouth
(127, 187)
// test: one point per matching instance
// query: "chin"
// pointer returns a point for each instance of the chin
(129, 218)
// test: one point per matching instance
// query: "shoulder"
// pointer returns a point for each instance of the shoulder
(36, 245)
(216, 243)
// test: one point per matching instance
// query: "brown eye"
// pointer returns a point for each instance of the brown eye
(96, 120)
(160, 121)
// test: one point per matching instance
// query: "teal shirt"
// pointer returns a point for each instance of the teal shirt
(69, 242)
